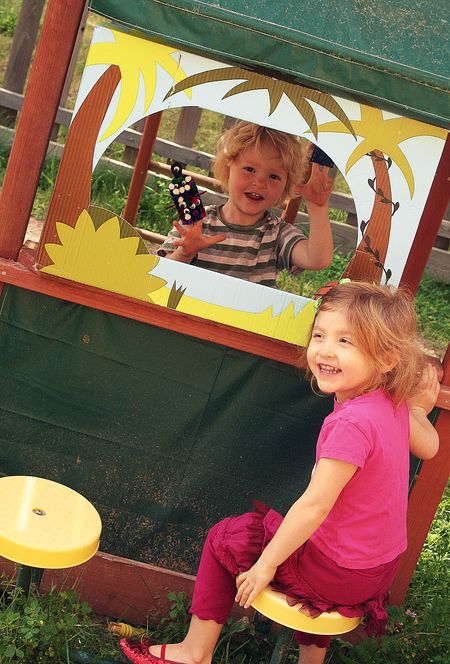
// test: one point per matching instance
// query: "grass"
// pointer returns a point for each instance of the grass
(49, 628)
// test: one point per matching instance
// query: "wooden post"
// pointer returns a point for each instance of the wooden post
(141, 169)
(21, 52)
(187, 125)
(130, 154)
(71, 69)
(425, 497)
(48, 73)
(430, 223)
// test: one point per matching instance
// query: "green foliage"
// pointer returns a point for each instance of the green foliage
(8, 19)
(45, 629)
(433, 311)
(240, 641)
(109, 190)
(432, 299)
(308, 282)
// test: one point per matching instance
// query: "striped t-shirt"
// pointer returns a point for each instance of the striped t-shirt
(256, 253)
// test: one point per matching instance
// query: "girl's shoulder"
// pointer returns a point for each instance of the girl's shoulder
(367, 407)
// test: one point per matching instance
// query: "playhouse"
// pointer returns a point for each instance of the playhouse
(163, 392)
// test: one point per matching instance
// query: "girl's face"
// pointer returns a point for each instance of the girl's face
(338, 365)
(256, 183)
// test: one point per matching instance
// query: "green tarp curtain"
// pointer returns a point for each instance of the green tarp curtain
(163, 433)
(392, 54)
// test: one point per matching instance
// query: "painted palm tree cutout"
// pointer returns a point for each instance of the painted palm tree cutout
(135, 58)
(381, 139)
(297, 94)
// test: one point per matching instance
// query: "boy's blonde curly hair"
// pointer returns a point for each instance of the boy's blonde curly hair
(244, 135)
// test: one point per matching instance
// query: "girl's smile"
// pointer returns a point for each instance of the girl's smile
(256, 183)
(338, 365)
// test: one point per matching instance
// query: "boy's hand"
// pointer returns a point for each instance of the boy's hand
(428, 391)
(319, 186)
(252, 582)
(192, 239)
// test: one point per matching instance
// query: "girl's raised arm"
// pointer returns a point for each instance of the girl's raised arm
(423, 438)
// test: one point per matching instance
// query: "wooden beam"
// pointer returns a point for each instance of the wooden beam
(430, 222)
(46, 82)
(120, 587)
(140, 171)
(16, 274)
(426, 494)
(21, 52)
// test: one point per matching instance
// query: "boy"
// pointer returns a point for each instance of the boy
(243, 238)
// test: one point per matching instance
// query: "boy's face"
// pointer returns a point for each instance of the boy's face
(256, 183)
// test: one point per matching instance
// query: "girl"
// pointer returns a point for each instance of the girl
(338, 546)
(259, 168)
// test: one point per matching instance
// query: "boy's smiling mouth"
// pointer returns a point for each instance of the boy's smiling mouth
(254, 196)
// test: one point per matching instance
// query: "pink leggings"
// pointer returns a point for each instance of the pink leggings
(215, 590)
(234, 544)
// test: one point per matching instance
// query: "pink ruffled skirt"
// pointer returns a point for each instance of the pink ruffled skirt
(234, 544)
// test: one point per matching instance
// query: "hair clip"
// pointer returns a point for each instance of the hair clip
(317, 298)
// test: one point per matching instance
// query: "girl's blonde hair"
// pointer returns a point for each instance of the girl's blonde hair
(243, 135)
(384, 327)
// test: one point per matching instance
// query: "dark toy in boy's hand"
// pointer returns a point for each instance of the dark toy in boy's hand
(186, 196)
(320, 157)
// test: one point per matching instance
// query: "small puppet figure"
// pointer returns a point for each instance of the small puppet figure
(186, 196)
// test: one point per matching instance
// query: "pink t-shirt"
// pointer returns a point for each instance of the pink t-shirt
(367, 525)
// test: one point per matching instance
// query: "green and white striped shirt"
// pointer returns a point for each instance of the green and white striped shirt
(256, 253)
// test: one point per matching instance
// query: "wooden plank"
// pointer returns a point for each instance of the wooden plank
(121, 588)
(16, 274)
(71, 68)
(430, 222)
(45, 85)
(187, 126)
(129, 137)
(439, 265)
(140, 171)
(425, 497)
(21, 52)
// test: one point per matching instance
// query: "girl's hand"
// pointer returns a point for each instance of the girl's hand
(319, 186)
(192, 239)
(428, 391)
(252, 582)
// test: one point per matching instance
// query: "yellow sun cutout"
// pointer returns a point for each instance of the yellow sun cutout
(103, 258)
(384, 135)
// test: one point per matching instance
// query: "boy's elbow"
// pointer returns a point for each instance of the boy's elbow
(322, 263)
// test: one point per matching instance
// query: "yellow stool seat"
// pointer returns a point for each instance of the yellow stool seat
(273, 605)
(44, 524)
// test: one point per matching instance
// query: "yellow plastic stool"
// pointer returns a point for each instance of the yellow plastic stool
(273, 605)
(44, 524)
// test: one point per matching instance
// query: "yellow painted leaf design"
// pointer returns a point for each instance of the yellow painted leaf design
(135, 58)
(297, 94)
(103, 258)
